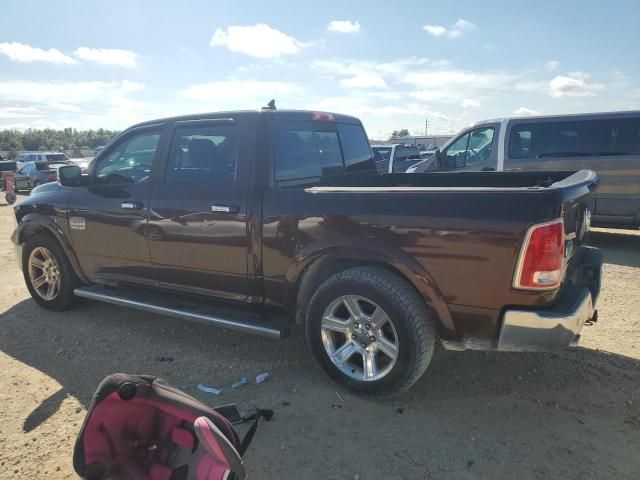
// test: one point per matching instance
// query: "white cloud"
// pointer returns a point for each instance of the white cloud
(525, 112)
(343, 26)
(65, 92)
(435, 30)
(107, 56)
(364, 80)
(242, 92)
(20, 52)
(452, 85)
(470, 103)
(260, 41)
(20, 112)
(454, 31)
(63, 107)
(575, 84)
(552, 65)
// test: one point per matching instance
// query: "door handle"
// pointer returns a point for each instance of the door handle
(132, 205)
(225, 208)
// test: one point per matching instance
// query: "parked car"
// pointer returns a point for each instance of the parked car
(51, 157)
(608, 143)
(36, 173)
(83, 163)
(255, 220)
(7, 166)
(395, 158)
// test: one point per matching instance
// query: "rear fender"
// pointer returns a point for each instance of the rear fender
(398, 261)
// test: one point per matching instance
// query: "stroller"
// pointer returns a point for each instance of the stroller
(7, 184)
(139, 427)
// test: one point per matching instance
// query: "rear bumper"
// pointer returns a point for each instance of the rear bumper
(557, 327)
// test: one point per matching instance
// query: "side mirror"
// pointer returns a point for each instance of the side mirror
(70, 176)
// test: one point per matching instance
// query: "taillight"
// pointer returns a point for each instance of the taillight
(541, 262)
(322, 116)
(52, 177)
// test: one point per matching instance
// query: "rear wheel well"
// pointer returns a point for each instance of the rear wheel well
(323, 268)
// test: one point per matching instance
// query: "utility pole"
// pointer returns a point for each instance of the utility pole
(426, 126)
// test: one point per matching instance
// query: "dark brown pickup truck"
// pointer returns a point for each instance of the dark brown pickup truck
(256, 220)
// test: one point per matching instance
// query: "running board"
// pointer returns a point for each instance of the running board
(188, 310)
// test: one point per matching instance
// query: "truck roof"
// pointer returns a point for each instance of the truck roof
(279, 114)
(592, 115)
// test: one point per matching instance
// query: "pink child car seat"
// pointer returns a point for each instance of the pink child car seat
(141, 428)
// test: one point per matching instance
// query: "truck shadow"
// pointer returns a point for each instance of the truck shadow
(497, 396)
(620, 247)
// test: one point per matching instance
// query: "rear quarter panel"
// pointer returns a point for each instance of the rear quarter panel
(458, 248)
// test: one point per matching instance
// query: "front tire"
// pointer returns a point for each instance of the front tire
(48, 273)
(370, 331)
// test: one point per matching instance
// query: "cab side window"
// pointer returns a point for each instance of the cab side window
(471, 149)
(454, 155)
(202, 154)
(129, 161)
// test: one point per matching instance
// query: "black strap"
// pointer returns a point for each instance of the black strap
(246, 441)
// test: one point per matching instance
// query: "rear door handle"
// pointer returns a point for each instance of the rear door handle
(132, 205)
(225, 208)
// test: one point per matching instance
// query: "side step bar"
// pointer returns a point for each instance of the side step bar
(247, 323)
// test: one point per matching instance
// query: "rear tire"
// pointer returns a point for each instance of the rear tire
(370, 331)
(48, 273)
(11, 198)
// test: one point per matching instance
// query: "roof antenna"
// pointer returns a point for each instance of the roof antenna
(270, 106)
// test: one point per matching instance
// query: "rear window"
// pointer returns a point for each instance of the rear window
(56, 157)
(381, 156)
(405, 157)
(311, 149)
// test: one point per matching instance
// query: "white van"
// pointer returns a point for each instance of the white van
(608, 143)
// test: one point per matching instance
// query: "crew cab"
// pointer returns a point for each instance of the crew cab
(258, 220)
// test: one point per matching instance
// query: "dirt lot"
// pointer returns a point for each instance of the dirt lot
(574, 414)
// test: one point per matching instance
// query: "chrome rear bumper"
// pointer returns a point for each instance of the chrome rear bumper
(557, 327)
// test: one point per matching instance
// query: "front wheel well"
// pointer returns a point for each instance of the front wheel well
(323, 268)
(33, 229)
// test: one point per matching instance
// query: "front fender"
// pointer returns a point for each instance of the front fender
(374, 253)
(35, 222)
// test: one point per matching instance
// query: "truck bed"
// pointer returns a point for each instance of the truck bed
(460, 181)
(463, 231)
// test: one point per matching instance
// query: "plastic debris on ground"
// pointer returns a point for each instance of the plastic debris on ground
(204, 388)
(239, 383)
(261, 377)
(164, 359)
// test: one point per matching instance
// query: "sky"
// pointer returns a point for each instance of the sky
(94, 64)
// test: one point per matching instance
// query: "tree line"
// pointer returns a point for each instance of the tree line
(49, 139)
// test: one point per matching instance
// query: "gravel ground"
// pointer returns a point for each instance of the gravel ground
(574, 414)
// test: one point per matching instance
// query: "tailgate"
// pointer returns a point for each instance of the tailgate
(576, 192)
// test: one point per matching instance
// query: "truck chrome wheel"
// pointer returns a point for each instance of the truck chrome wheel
(44, 273)
(359, 338)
